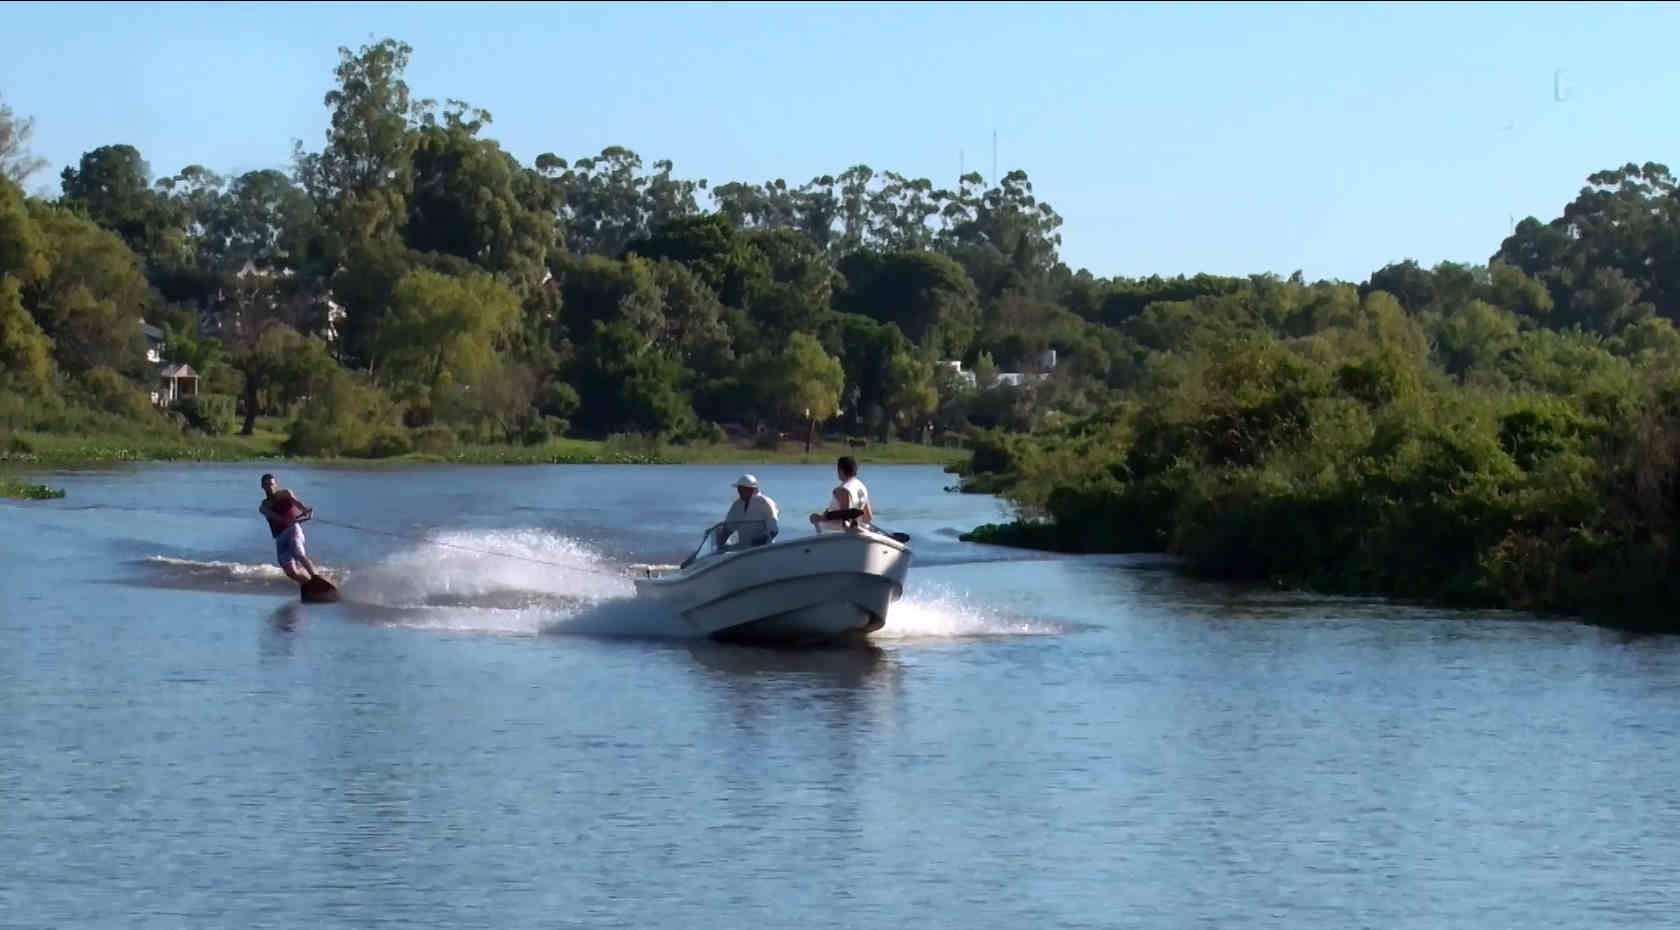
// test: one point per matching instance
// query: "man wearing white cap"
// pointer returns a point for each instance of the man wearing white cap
(753, 515)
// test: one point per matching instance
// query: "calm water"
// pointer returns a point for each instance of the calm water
(474, 740)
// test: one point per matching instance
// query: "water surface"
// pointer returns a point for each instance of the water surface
(491, 732)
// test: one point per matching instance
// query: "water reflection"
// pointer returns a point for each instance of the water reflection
(841, 667)
(279, 634)
(806, 728)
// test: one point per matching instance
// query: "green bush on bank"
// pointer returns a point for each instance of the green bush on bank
(211, 414)
(23, 490)
(1547, 477)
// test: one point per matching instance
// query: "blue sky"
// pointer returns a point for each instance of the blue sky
(1231, 139)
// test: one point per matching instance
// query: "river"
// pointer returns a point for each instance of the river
(490, 732)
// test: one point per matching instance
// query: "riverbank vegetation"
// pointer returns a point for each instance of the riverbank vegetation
(1504, 432)
(1504, 435)
(410, 289)
(23, 490)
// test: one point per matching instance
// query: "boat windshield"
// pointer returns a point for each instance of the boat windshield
(729, 536)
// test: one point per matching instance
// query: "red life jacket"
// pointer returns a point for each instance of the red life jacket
(289, 510)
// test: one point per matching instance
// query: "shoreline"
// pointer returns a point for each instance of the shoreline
(44, 450)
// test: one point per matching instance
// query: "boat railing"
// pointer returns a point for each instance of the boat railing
(730, 536)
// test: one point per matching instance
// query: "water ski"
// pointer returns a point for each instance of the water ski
(318, 590)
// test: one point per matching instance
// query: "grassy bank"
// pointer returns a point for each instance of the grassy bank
(54, 450)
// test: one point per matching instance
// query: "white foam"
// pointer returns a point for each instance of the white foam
(234, 570)
(536, 568)
(935, 611)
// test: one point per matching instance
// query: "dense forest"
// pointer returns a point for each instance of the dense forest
(412, 284)
(1503, 433)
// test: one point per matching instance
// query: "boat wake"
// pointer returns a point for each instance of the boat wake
(215, 575)
(526, 582)
(937, 611)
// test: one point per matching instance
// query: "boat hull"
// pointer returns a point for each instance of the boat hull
(825, 588)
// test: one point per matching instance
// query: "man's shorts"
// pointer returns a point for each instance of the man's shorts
(288, 546)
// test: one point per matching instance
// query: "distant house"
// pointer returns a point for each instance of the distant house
(225, 316)
(1040, 370)
(955, 365)
(175, 382)
(172, 382)
(154, 342)
(154, 355)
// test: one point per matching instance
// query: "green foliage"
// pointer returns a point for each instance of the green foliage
(106, 390)
(445, 330)
(25, 352)
(470, 200)
(800, 383)
(714, 250)
(388, 442)
(23, 490)
(345, 415)
(112, 187)
(910, 392)
(929, 297)
(90, 299)
(16, 164)
(624, 381)
(435, 440)
(211, 414)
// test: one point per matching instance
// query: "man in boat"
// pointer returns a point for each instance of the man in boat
(850, 495)
(752, 513)
(284, 512)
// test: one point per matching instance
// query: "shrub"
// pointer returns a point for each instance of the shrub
(342, 418)
(388, 442)
(212, 414)
(111, 392)
(435, 440)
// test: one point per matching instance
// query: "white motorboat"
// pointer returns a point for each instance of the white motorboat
(826, 587)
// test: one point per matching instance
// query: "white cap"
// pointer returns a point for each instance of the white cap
(746, 481)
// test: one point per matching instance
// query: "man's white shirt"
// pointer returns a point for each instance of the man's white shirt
(758, 507)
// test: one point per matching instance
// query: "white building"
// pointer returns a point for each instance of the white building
(1040, 370)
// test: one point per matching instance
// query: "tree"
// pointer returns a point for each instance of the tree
(800, 382)
(469, 200)
(361, 180)
(1625, 220)
(25, 352)
(1003, 237)
(798, 289)
(625, 383)
(927, 295)
(91, 299)
(864, 347)
(910, 391)
(595, 288)
(267, 220)
(445, 331)
(693, 328)
(1413, 286)
(22, 249)
(16, 164)
(112, 187)
(604, 203)
(713, 249)
(1477, 335)
(278, 360)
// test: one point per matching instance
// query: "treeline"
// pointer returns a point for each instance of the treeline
(1504, 435)
(412, 284)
